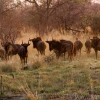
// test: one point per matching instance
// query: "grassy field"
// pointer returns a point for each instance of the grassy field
(50, 79)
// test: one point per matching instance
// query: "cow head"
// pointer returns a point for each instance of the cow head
(35, 41)
(50, 45)
(53, 44)
(94, 42)
(25, 45)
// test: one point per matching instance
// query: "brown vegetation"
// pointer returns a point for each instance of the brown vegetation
(63, 20)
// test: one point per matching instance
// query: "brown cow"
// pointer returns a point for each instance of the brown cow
(2, 54)
(6, 46)
(13, 49)
(88, 45)
(39, 45)
(95, 45)
(77, 46)
(23, 52)
(10, 49)
(60, 48)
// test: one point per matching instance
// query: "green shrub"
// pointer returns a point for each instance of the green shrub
(36, 65)
(7, 67)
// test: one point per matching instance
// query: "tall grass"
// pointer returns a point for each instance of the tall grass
(47, 75)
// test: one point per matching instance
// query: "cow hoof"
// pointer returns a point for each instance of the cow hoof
(25, 68)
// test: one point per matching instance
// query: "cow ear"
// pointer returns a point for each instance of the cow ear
(47, 41)
(2, 44)
(91, 39)
(28, 41)
(31, 39)
(22, 41)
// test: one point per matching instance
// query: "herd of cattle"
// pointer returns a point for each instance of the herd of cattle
(59, 47)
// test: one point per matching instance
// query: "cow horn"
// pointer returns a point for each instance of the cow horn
(52, 38)
(28, 41)
(22, 41)
(2, 44)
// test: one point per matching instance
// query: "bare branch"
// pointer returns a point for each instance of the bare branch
(9, 9)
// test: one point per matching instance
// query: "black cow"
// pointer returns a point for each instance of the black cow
(60, 48)
(23, 52)
(77, 46)
(69, 42)
(39, 45)
(95, 45)
(88, 45)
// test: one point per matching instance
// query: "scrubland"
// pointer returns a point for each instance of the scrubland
(48, 78)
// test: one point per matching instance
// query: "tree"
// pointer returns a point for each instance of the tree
(92, 18)
(9, 21)
(56, 14)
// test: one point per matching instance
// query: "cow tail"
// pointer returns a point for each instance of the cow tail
(72, 50)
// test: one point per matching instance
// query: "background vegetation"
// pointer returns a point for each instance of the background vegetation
(45, 16)
(47, 77)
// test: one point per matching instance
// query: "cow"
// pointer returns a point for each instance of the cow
(13, 49)
(95, 45)
(10, 49)
(39, 45)
(69, 42)
(60, 48)
(88, 45)
(2, 54)
(77, 46)
(5, 46)
(23, 52)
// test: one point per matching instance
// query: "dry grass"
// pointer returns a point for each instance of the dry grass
(48, 75)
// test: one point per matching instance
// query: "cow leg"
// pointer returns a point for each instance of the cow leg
(74, 52)
(96, 52)
(57, 55)
(64, 55)
(44, 52)
(41, 52)
(26, 60)
(88, 51)
(70, 55)
(6, 57)
(10, 56)
(21, 59)
(80, 51)
(38, 53)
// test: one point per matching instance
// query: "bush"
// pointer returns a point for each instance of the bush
(36, 65)
(7, 67)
